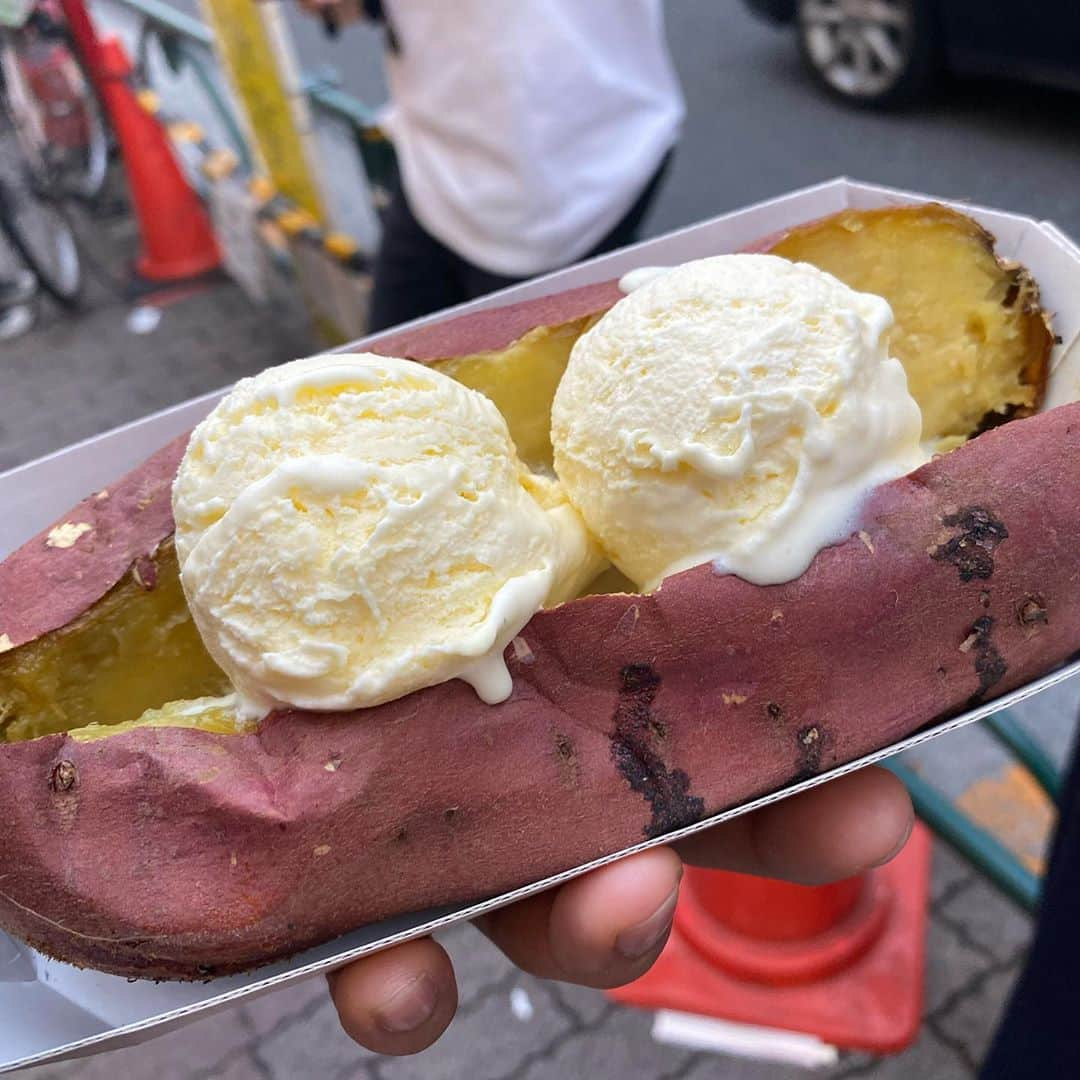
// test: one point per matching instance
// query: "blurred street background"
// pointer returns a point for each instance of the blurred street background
(756, 127)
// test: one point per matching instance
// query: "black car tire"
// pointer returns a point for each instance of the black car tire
(913, 51)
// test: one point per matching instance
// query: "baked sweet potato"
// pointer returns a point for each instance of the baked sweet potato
(179, 843)
(963, 316)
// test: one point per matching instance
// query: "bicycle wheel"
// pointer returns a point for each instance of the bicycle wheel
(54, 110)
(38, 229)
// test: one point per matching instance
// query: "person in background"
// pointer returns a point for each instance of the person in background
(529, 135)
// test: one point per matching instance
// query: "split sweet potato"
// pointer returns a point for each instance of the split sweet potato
(151, 834)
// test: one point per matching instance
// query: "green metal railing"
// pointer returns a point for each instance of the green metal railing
(1018, 741)
(181, 52)
(182, 36)
(168, 20)
(978, 847)
(967, 839)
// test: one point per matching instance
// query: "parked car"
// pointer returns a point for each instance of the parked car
(889, 52)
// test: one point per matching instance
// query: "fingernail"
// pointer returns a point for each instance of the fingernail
(898, 848)
(410, 1006)
(639, 941)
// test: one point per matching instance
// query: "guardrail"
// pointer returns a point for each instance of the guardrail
(167, 20)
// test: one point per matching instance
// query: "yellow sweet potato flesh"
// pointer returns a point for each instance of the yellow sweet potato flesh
(968, 328)
(215, 714)
(521, 380)
(131, 651)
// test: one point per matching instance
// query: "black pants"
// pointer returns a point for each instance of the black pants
(1040, 1034)
(415, 274)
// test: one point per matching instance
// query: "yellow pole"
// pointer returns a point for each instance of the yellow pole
(254, 51)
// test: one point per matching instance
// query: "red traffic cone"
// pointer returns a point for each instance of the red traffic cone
(843, 962)
(177, 240)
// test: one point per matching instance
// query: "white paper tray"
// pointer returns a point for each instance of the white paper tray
(51, 1011)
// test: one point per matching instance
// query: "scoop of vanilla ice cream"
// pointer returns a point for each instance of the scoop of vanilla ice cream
(734, 409)
(351, 528)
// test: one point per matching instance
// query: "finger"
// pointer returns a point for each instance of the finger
(399, 1001)
(602, 929)
(830, 832)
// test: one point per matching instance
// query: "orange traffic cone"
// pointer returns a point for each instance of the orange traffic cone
(843, 962)
(177, 240)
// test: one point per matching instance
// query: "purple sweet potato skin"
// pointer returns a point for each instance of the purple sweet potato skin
(44, 587)
(174, 853)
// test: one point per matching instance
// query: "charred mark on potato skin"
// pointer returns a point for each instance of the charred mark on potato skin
(566, 759)
(990, 666)
(810, 748)
(667, 791)
(995, 418)
(63, 776)
(635, 677)
(971, 549)
(1031, 614)
(774, 711)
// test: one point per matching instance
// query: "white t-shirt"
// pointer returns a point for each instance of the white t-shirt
(525, 129)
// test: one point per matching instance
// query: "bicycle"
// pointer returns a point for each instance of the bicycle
(39, 231)
(51, 117)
